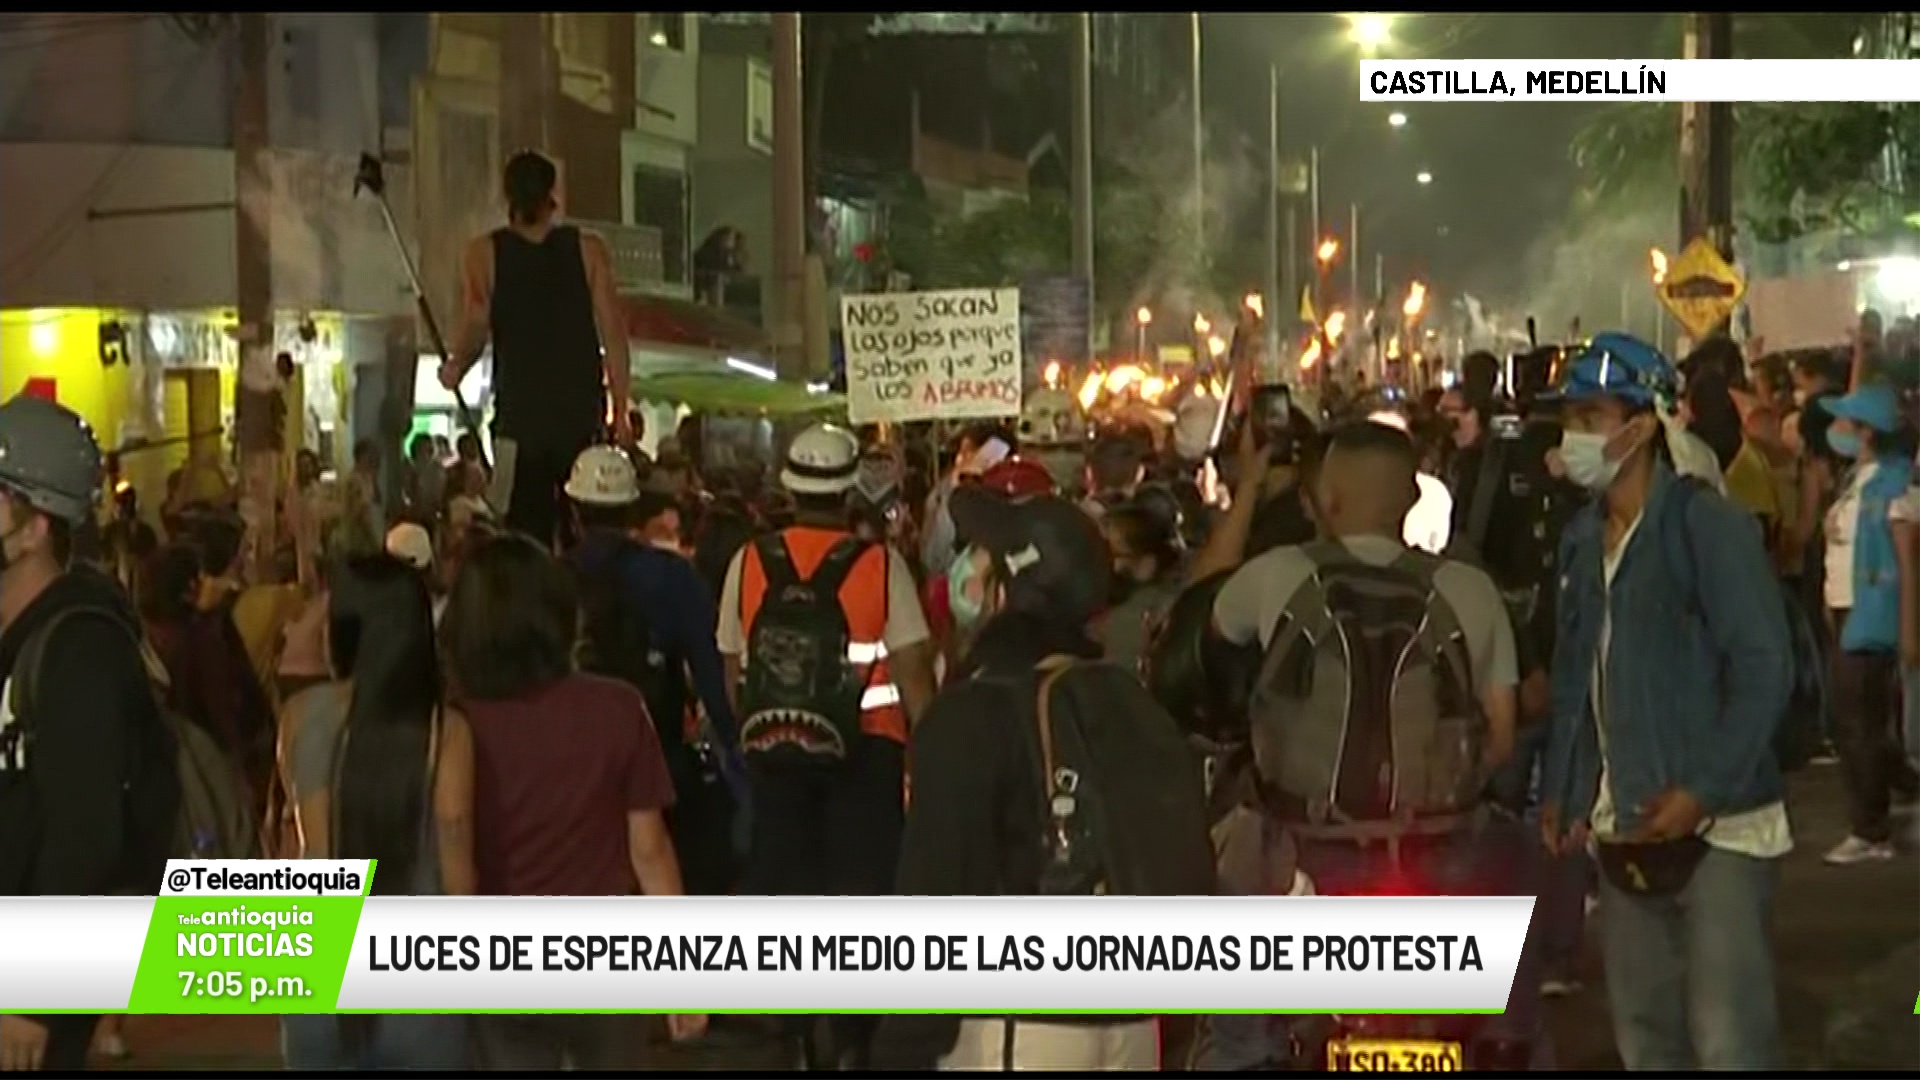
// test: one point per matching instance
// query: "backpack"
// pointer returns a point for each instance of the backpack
(1119, 819)
(1798, 736)
(203, 793)
(1363, 711)
(800, 695)
(619, 644)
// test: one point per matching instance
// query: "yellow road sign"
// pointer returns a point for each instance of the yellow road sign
(1701, 289)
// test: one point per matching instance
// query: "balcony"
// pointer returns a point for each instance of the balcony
(638, 263)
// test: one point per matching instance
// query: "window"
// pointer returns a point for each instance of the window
(660, 202)
(666, 29)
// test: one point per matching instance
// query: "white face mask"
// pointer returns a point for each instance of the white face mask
(1584, 455)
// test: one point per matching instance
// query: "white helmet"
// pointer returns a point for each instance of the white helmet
(603, 476)
(823, 460)
(1052, 417)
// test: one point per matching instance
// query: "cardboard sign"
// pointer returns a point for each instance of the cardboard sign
(952, 354)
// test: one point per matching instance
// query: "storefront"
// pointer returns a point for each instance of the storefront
(159, 387)
(437, 412)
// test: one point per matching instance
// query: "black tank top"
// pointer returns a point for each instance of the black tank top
(548, 388)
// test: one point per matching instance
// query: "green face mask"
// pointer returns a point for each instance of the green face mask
(967, 607)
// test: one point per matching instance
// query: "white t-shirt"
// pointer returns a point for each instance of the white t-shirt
(1843, 522)
(1763, 833)
(1429, 524)
(906, 622)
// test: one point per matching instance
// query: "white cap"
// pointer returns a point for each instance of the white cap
(411, 544)
(603, 476)
(822, 460)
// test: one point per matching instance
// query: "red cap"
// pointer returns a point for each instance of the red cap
(1017, 478)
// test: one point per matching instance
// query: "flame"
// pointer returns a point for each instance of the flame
(1152, 389)
(1393, 348)
(1122, 377)
(1216, 346)
(1659, 261)
(1327, 250)
(1335, 327)
(1256, 304)
(1201, 326)
(1311, 354)
(1052, 375)
(1090, 389)
(1416, 301)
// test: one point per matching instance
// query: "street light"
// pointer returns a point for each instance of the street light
(1142, 318)
(1397, 120)
(1371, 30)
(1423, 177)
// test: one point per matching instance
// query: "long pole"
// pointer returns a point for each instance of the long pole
(789, 199)
(1083, 224)
(1353, 257)
(1319, 230)
(1199, 136)
(1275, 301)
(258, 442)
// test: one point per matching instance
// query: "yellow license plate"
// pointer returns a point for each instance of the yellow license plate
(1395, 1056)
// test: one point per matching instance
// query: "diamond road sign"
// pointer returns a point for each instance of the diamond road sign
(1701, 289)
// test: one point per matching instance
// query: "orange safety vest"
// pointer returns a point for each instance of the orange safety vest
(863, 597)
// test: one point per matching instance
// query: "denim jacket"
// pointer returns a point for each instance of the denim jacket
(1696, 685)
(1873, 623)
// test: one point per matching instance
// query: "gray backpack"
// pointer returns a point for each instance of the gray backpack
(1364, 709)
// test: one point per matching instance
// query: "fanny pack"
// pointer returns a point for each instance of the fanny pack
(1657, 869)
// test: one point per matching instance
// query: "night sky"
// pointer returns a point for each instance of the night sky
(1502, 175)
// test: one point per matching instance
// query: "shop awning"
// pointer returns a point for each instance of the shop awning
(728, 391)
(685, 323)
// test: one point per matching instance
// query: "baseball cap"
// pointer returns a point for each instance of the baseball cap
(1616, 365)
(1018, 476)
(1053, 553)
(410, 544)
(1872, 404)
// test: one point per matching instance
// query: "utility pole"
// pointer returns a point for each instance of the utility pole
(789, 199)
(1706, 144)
(254, 407)
(527, 77)
(1199, 139)
(1081, 53)
(1275, 302)
(1353, 260)
(1319, 227)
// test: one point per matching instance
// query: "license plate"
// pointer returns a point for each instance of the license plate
(1395, 1056)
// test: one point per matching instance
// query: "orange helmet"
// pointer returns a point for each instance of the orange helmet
(1017, 477)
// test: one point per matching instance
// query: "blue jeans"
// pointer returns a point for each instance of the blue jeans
(1690, 977)
(394, 1043)
(1491, 862)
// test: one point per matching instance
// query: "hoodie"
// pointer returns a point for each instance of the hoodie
(63, 815)
(974, 826)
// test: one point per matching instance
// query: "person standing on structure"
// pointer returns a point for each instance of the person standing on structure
(543, 294)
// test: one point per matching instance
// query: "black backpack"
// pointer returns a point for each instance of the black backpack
(181, 775)
(1122, 817)
(619, 644)
(800, 697)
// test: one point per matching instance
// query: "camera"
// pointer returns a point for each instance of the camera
(1272, 415)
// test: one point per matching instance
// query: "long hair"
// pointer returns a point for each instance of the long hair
(380, 626)
(511, 622)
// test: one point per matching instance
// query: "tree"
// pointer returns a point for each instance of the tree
(1798, 167)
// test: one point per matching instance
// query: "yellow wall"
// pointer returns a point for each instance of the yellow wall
(63, 344)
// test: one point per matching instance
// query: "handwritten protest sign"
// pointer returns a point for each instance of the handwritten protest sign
(932, 355)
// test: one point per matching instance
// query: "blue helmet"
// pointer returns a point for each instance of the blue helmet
(1617, 365)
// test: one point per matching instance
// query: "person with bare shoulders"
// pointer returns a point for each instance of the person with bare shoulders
(543, 294)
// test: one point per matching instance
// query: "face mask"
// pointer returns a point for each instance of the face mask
(967, 608)
(1844, 443)
(1584, 454)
